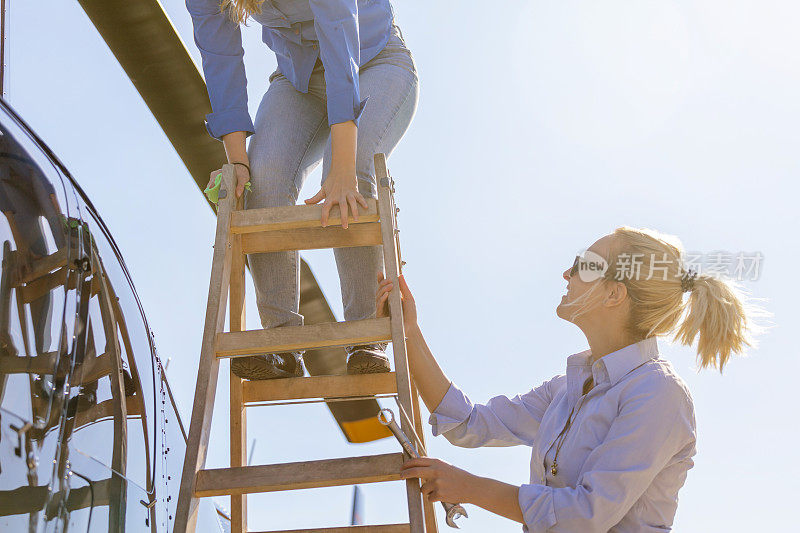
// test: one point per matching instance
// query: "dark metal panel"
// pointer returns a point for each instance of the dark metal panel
(66, 357)
(39, 302)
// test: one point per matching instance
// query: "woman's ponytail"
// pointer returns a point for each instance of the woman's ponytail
(716, 312)
(719, 315)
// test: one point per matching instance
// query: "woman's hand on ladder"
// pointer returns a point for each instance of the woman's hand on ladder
(382, 301)
(341, 185)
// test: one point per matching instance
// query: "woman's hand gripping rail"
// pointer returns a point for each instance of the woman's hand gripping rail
(431, 381)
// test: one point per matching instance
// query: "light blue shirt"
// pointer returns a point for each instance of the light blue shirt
(624, 457)
(344, 34)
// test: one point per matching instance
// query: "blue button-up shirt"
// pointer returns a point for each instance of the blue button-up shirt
(344, 34)
(625, 456)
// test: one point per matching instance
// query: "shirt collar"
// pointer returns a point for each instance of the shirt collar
(618, 363)
(626, 359)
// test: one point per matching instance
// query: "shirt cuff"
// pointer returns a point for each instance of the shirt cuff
(345, 106)
(536, 504)
(454, 409)
(224, 122)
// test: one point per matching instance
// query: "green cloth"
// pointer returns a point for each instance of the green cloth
(71, 223)
(213, 192)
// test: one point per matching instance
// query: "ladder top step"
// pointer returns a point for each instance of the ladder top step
(299, 475)
(343, 386)
(367, 234)
(382, 528)
(288, 338)
(296, 216)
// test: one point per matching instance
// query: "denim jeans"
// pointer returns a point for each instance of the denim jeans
(291, 136)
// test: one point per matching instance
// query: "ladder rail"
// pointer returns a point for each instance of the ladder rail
(392, 266)
(430, 515)
(208, 369)
(238, 413)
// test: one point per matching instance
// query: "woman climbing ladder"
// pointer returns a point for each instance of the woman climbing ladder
(346, 87)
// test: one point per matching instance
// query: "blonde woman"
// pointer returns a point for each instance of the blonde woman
(613, 437)
(345, 88)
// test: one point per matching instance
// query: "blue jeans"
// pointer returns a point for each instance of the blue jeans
(291, 136)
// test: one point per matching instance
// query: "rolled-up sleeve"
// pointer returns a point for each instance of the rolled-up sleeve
(502, 421)
(336, 25)
(219, 40)
(652, 427)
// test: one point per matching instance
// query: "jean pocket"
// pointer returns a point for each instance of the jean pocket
(395, 45)
(396, 53)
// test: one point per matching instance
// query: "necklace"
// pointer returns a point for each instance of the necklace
(588, 385)
(562, 436)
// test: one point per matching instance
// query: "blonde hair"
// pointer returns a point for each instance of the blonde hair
(239, 10)
(716, 311)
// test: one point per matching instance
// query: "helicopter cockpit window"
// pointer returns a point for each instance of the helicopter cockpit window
(38, 306)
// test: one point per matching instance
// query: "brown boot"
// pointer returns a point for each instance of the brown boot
(269, 366)
(367, 359)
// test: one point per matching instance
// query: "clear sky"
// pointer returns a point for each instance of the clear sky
(542, 126)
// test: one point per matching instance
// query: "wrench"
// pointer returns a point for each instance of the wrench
(453, 510)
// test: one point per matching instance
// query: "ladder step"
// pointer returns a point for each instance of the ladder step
(343, 386)
(287, 338)
(105, 410)
(40, 364)
(96, 368)
(383, 528)
(366, 234)
(32, 499)
(45, 265)
(296, 216)
(93, 368)
(299, 475)
(37, 288)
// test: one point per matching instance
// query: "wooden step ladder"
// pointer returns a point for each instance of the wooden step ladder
(242, 232)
